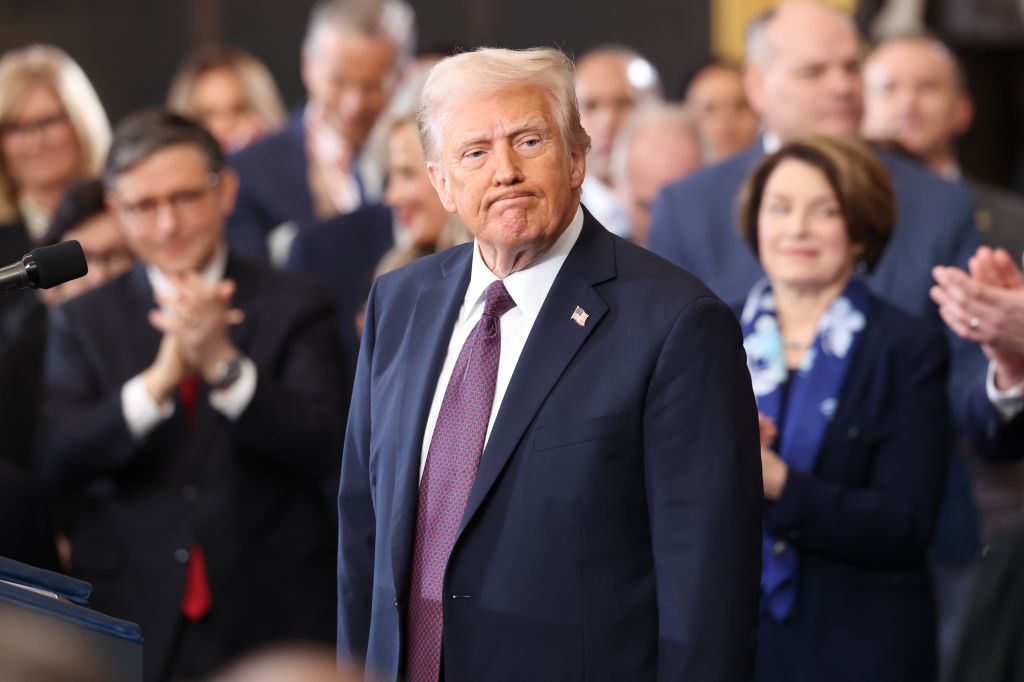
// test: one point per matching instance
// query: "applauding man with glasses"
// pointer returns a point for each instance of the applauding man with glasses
(193, 414)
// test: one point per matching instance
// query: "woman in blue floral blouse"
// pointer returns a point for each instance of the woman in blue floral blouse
(852, 398)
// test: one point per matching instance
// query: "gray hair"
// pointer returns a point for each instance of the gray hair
(489, 70)
(392, 19)
(655, 114)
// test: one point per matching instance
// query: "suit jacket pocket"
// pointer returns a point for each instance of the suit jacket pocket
(557, 435)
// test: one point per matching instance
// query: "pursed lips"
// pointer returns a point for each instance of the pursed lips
(510, 197)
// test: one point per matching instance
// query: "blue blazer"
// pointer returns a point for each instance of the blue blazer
(274, 189)
(694, 225)
(613, 530)
(864, 518)
(342, 254)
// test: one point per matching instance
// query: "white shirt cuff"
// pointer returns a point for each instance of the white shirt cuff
(232, 401)
(141, 412)
(1008, 403)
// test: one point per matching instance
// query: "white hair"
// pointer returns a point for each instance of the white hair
(392, 19)
(674, 118)
(489, 70)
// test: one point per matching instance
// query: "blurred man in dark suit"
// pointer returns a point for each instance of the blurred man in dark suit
(192, 410)
(915, 95)
(318, 167)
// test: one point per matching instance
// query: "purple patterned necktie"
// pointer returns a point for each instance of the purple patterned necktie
(452, 461)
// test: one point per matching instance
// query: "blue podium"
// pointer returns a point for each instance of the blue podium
(47, 631)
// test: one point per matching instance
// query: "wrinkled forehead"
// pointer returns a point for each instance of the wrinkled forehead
(490, 115)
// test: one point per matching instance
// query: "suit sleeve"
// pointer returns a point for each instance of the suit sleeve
(663, 240)
(890, 518)
(703, 479)
(356, 514)
(83, 433)
(248, 225)
(993, 439)
(296, 416)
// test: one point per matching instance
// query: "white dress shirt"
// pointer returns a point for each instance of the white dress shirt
(142, 413)
(528, 289)
(605, 205)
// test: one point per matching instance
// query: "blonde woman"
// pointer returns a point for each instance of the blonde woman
(230, 92)
(53, 132)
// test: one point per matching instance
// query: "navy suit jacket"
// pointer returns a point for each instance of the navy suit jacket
(274, 189)
(343, 253)
(613, 529)
(694, 225)
(249, 491)
(864, 517)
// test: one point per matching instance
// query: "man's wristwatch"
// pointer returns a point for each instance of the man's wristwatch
(227, 374)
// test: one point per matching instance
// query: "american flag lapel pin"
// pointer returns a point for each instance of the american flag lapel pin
(579, 316)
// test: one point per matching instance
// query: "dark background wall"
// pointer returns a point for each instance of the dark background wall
(130, 48)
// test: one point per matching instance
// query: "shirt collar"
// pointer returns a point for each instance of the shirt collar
(771, 142)
(528, 287)
(212, 273)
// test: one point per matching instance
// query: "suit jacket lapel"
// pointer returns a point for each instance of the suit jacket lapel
(430, 328)
(551, 346)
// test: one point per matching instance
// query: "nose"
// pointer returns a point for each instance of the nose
(507, 165)
(166, 219)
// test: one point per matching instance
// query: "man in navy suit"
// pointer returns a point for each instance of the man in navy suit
(551, 467)
(316, 168)
(192, 412)
(803, 77)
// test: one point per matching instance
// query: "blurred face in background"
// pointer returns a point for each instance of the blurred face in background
(106, 251)
(173, 208)
(809, 80)
(608, 87)
(348, 78)
(657, 156)
(219, 102)
(802, 237)
(40, 147)
(724, 118)
(913, 97)
(409, 192)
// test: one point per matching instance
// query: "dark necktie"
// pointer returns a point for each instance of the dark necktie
(452, 461)
(196, 600)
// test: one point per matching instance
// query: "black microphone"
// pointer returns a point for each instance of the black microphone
(45, 267)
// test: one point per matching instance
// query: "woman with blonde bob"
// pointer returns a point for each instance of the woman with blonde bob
(854, 427)
(230, 92)
(53, 132)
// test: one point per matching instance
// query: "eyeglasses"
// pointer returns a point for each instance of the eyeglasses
(185, 202)
(44, 125)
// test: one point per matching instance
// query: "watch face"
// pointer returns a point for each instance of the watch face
(228, 372)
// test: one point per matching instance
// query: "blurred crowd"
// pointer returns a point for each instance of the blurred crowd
(172, 422)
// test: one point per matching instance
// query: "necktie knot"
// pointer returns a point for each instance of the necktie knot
(497, 300)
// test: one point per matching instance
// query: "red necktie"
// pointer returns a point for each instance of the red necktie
(196, 601)
(452, 461)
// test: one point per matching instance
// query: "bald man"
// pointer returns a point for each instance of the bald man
(611, 81)
(915, 95)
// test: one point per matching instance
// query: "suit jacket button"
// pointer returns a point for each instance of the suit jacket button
(396, 603)
(779, 547)
(853, 432)
(189, 492)
(181, 555)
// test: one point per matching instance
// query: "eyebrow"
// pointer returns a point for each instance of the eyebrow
(531, 125)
